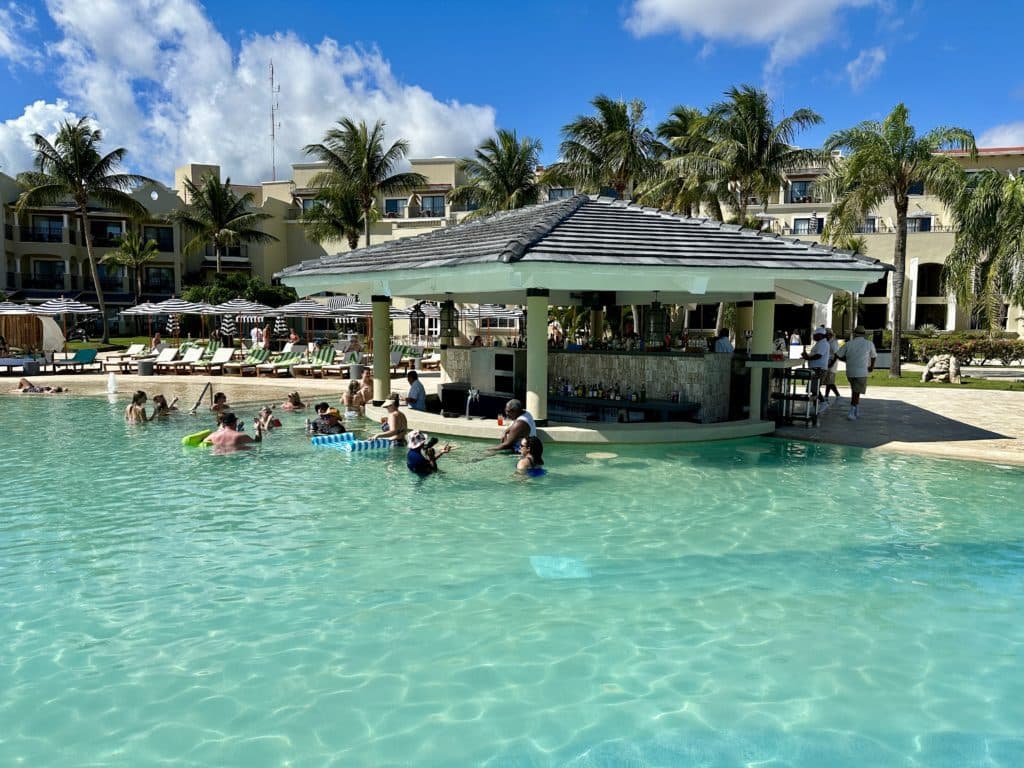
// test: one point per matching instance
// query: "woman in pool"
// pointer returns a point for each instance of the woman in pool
(161, 408)
(293, 403)
(135, 413)
(353, 401)
(531, 455)
(366, 385)
(220, 403)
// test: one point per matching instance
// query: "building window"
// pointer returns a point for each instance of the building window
(919, 224)
(158, 280)
(877, 289)
(425, 326)
(916, 188)
(560, 193)
(809, 226)
(931, 314)
(498, 322)
(105, 234)
(394, 207)
(802, 192)
(929, 281)
(308, 203)
(162, 236)
(432, 205)
(868, 227)
(44, 229)
(874, 315)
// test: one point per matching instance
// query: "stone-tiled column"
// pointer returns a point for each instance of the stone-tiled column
(381, 349)
(537, 353)
(761, 344)
(596, 324)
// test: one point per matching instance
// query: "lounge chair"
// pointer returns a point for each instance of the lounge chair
(168, 355)
(344, 362)
(431, 362)
(192, 356)
(256, 357)
(281, 364)
(214, 364)
(82, 358)
(315, 366)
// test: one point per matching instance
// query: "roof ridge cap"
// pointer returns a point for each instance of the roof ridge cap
(517, 247)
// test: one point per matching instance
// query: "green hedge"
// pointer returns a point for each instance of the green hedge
(969, 350)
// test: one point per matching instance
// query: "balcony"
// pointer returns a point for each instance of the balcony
(8, 232)
(42, 234)
(106, 239)
(158, 286)
(230, 252)
(45, 282)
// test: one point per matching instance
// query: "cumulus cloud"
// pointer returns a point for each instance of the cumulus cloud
(1006, 135)
(865, 68)
(789, 28)
(162, 81)
(16, 145)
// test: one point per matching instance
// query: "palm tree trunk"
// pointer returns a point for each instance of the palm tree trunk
(138, 284)
(87, 236)
(898, 275)
(216, 254)
(366, 224)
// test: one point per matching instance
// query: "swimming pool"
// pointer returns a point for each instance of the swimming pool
(758, 602)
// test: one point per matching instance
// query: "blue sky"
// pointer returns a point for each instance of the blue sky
(174, 81)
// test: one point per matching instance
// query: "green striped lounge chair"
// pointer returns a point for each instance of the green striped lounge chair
(315, 365)
(256, 357)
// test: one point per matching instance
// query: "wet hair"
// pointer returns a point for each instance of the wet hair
(293, 397)
(321, 407)
(354, 387)
(220, 397)
(536, 448)
(139, 397)
(227, 419)
(160, 400)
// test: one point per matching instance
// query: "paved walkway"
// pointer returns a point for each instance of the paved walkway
(976, 425)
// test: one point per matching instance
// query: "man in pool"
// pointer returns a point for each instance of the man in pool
(227, 438)
(521, 424)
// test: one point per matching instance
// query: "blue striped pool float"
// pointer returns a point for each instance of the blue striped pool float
(344, 437)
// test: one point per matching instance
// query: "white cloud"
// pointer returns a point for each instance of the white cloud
(16, 145)
(1006, 135)
(790, 28)
(13, 21)
(865, 68)
(162, 81)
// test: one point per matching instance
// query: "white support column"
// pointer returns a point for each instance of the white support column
(65, 231)
(761, 344)
(910, 296)
(951, 307)
(537, 353)
(67, 270)
(381, 349)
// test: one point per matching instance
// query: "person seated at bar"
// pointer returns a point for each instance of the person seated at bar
(521, 425)
(722, 343)
(395, 426)
(417, 397)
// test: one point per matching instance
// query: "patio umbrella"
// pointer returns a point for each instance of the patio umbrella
(365, 309)
(146, 309)
(227, 326)
(64, 307)
(11, 308)
(280, 325)
(172, 326)
(242, 307)
(304, 308)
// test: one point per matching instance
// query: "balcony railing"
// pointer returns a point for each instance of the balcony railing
(158, 286)
(9, 284)
(45, 282)
(42, 234)
(111, 285)
(805, 199)
(106, 240)
(231, 251)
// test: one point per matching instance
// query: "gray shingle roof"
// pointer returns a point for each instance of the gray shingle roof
(586, 230)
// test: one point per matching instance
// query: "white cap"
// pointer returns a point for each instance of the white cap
(819, 331)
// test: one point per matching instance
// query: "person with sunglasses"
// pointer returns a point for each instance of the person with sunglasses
(531, 456)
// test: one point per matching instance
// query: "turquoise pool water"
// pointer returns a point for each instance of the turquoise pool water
(761, 603)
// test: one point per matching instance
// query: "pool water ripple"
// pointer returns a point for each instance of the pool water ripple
(757, 602)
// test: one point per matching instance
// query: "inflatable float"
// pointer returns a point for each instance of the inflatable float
(196, 438)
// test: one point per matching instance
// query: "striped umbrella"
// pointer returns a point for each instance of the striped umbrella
(64, 307)
(242, 307)
(174, 306)
(304, 308)
(227, 326)
(365, 309)
(11, 308)
(280, 325)
(172, 326)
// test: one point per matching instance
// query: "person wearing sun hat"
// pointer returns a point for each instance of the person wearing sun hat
(818, 356)
(421, 457)
(833, 363)
(394, 426)
(859, 354)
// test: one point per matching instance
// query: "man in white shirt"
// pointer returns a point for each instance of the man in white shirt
(818, 356)
(722, 343)
(859, 355)
(833, 364)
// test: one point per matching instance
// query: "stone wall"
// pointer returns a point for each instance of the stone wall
(699, 378)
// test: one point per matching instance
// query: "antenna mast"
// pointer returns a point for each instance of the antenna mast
(274, 125)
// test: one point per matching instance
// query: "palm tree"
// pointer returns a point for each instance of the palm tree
(219, 217)
(134, 253)
(335, 214)
(986, 266)
(502, 176)
(355, 157)
(612, 148)
(73, 168)
(884, 160)
(676, 187)
(747, 150)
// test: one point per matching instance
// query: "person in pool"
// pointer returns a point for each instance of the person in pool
(353, 401)
(135, 413)
(366, 385)
(220, 403)
(520, 425)
(531, 454)
(421, 457)
(227, 438)
(293, 403)
(161, 408)
(395, 426)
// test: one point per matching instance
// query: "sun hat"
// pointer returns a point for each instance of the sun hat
(859, 331)
(334, 412)
(819, 331)
(417, 439)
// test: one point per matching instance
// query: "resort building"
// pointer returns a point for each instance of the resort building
(799, 210)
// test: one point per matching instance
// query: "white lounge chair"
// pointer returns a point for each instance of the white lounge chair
(216, 363)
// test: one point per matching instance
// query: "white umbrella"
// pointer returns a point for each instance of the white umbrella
(243, 307)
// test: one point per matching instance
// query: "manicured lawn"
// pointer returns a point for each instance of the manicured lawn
(913, 379)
